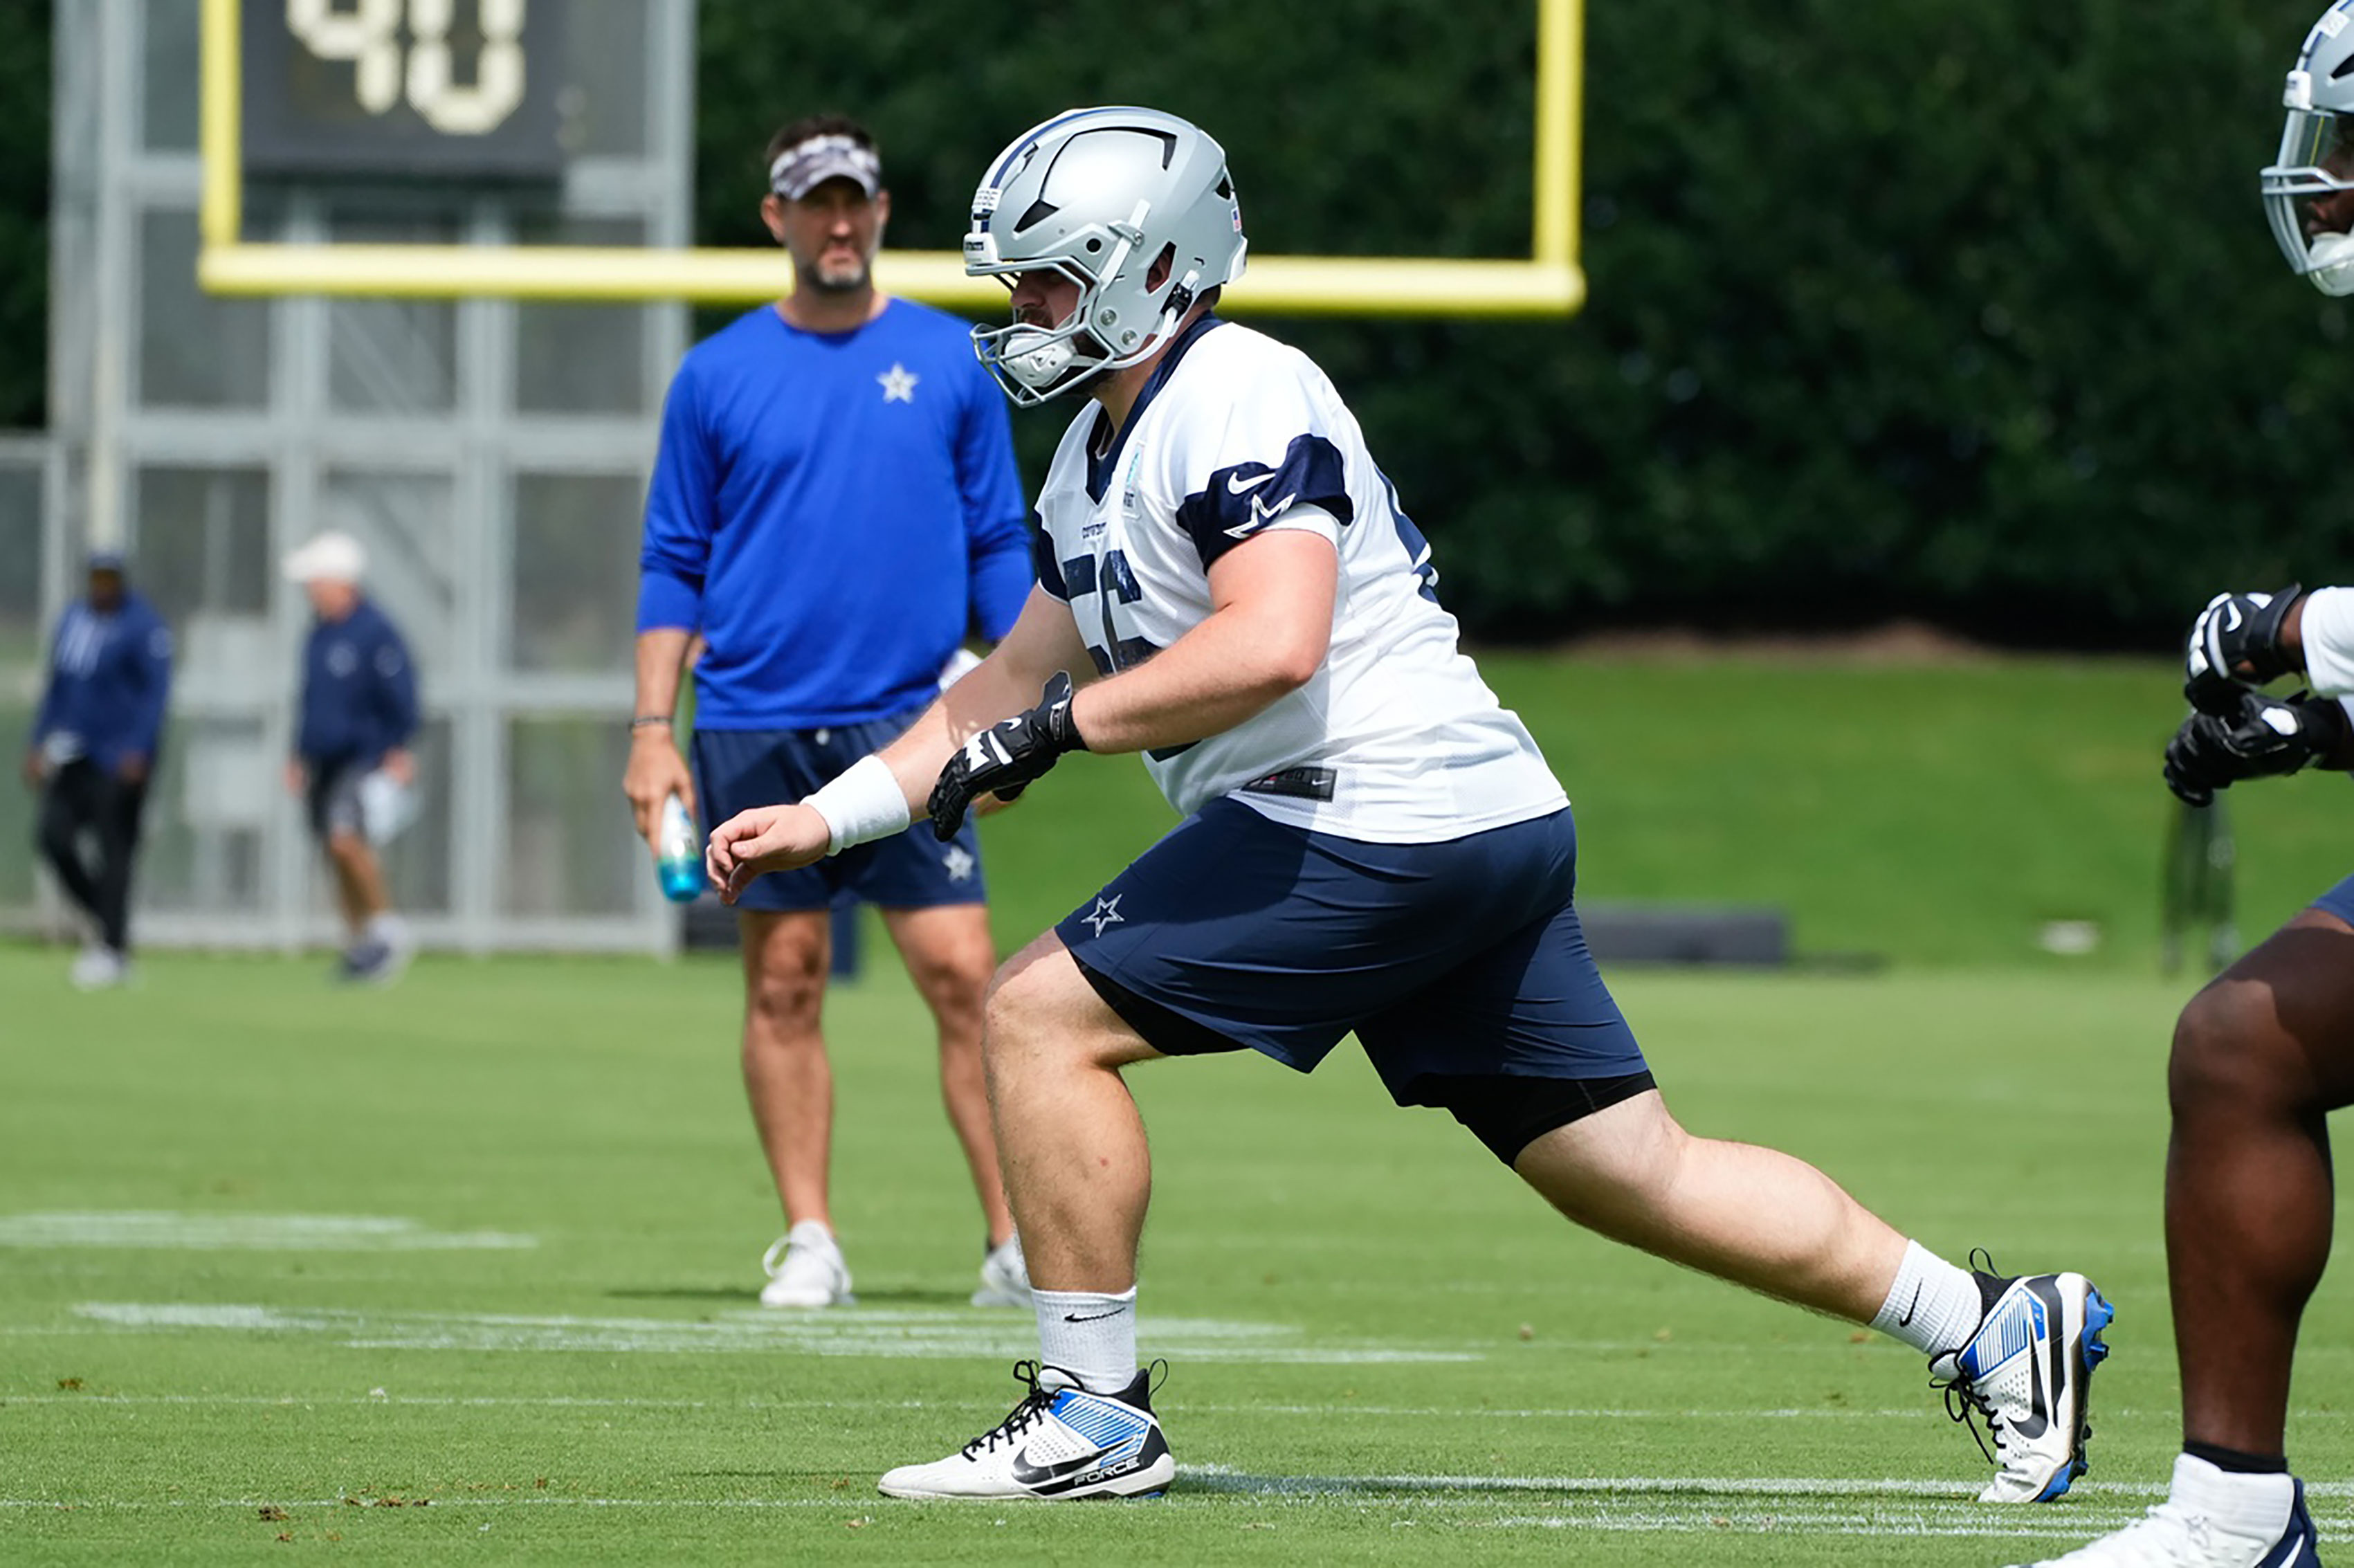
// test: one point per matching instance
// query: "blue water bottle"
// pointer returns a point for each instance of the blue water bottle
(678, 853)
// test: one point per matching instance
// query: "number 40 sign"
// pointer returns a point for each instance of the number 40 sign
(369, 37)
(402, 88)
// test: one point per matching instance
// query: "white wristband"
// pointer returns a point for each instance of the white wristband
(864, 804)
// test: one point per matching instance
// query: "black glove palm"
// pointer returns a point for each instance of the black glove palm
(2261, 736)
(2235, 643)
(1003, 758)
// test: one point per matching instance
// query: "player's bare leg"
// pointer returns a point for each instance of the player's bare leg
(789, 1084)
(2260, 1056)
(1754, 1216)
(2018, 1353)
(1078, 1173)
(950, 955)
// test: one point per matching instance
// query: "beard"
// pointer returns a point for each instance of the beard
(841, 277)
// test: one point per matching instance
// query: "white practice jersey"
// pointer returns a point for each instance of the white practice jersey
(1396, 739)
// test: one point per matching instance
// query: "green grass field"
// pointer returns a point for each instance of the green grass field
(519, 1322)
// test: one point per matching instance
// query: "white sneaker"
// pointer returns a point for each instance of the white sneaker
(805, 1269)
(2028, 1371)
(1060, 1443)
(1004, 1276)
(99, 967)
(2181, 1534)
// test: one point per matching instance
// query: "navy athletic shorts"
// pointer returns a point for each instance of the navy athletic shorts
(1446, 959)
(2338, 901)
(737, 769)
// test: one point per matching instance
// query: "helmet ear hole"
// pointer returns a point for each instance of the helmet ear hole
(1162, 265)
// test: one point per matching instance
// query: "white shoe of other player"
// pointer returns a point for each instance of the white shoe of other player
(1004, 1277)
(99, 968)
(2212, 1520)
(2027, 1370)
(805, 1269)
(1060, 1443)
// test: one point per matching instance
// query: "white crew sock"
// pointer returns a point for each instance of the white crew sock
(388, 929)
(1090, 1335)
(1933, 1307)
(2254, 1505)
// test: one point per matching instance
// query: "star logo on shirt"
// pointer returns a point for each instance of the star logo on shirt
(898, 384)
(1105, 913)
(957, 861)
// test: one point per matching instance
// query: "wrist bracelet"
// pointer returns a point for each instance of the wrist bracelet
(864, 804)
(647, 721)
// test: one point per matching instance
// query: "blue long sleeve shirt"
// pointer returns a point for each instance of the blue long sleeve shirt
(359, 691)
(110, 674)
(835, 513)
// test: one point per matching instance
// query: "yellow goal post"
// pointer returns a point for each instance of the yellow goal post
(1548, 282)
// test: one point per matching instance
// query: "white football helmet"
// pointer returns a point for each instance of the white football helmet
(1099, 196)
(2317, 152)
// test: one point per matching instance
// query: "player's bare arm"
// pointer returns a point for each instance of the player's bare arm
(655, 769)
(1042, 641)
(1265, 638)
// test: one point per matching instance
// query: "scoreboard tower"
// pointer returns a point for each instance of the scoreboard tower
(492, 453)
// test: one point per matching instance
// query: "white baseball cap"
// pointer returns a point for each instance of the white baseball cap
(325, 557)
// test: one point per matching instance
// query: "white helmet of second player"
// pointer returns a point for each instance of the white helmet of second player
(1101, 195)
(2317, 152)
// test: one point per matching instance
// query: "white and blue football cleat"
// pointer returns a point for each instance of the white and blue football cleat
(1060, 1443)
(2027, 1370)
(2212, 1521)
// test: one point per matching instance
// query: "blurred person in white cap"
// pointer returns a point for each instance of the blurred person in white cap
(92, 751)
(352, 763)
(834, 509)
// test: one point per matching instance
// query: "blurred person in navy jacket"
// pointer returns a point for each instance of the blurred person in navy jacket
(92, 751)
(352, 763)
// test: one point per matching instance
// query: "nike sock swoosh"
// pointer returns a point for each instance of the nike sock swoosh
(1090, 1334)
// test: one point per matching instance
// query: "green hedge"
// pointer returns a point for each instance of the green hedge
(1959, 309)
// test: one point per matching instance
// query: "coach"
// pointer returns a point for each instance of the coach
(834, 509)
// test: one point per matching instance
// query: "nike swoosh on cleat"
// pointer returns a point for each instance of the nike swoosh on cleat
(1030, 1474)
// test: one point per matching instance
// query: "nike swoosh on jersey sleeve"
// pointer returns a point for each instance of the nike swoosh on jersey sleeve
(1242, 499)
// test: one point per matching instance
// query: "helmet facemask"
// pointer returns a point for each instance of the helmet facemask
(2305, 187)
(2316, 161)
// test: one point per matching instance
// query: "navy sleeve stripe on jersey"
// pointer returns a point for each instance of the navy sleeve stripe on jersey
(1043, 563)
(1241, 500)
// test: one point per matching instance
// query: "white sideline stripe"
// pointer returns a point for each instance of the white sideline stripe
(1184, 1408)
(1314, 1411)
(159, 1230)
(1953, 1520)
(945, 1332)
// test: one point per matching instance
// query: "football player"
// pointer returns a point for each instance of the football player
(2266, 1051)
(1371, 843)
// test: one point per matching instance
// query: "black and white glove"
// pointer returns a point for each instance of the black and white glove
(1003, 759)
(2235, 643)
(2264, 735)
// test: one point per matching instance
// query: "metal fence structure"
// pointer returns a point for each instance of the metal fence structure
(492, 454)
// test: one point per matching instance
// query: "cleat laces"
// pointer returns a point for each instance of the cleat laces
(1964, 1404)
(1023, 1417)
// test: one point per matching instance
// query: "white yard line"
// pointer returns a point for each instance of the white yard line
(158, 1230)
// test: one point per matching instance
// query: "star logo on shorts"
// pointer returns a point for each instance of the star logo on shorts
(898, 384)
(1105, 913)
(957, 861)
